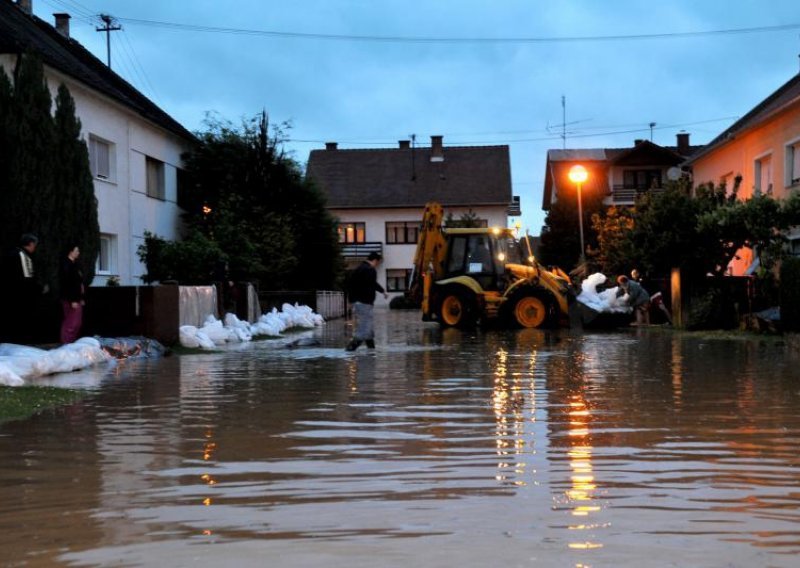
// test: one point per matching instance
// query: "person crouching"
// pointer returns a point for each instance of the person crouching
(638, 298)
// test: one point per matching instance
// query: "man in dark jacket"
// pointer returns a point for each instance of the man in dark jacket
(22, 292)
(361, 292)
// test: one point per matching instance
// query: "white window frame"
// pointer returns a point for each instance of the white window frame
(758, 171)
(107, 255)
(110, 173)
(792, 163)
(155, 178)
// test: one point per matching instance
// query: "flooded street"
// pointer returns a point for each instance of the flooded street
(441, 448)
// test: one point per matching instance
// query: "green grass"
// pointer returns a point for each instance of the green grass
(23, 402)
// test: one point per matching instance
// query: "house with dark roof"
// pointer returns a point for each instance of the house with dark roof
(379, 195)
(763, 147)
(135, 147)
(618, 174)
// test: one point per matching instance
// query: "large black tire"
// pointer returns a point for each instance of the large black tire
(457, 308)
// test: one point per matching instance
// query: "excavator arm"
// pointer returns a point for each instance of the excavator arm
(429, 256)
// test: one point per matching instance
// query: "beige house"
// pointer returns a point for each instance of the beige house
(379, 195)
(763, 147)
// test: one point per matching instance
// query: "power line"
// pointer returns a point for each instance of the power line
(549, 138)
(454, 40)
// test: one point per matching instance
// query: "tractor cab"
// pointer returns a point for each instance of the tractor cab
(481, 254)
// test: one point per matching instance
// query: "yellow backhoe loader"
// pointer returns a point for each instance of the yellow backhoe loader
(462, 277)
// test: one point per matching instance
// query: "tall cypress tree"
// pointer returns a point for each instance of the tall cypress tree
(6, 144)
(30, 200)
(75, 201)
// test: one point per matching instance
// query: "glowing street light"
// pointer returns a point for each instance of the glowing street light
(578, 175)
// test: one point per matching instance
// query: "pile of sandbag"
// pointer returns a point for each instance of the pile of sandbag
(233, 330)
(605, 301)
(20, 362)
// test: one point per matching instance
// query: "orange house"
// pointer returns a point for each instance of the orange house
(763, 147)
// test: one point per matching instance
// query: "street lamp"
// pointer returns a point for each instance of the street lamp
(578, 175)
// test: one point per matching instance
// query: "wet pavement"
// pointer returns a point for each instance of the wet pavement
(482, 448)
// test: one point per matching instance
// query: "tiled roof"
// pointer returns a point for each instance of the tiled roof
(787, 94)
(599, 160)
(20, 33)
(405, 177)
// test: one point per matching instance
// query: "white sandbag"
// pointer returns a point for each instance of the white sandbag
(187, 335)
(605, 301)
(204, 340)
(215, 331)
(8, 377)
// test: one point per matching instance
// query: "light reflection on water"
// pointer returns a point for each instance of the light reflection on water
(525, 446)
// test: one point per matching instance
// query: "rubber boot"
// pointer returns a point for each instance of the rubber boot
(370, 344)
(353, 345)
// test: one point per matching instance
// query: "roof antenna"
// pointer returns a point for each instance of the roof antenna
(110, 26)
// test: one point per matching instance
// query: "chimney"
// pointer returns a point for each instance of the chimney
(404, 144)
(62, 24)
(683, 143)
(437, 153)
(331, 145)
(26, 6)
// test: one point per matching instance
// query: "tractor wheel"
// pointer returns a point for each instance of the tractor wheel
(530, 312)
(457, 309)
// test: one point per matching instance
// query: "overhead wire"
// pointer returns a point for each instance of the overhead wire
(452, 40)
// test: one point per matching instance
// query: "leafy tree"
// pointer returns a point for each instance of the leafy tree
(250, 200)
(615, 254)
(468, 220)
(560, 239)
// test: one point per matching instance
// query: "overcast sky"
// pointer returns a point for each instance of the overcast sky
(370, 93)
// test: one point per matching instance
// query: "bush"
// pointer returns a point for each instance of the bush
(790, 294)
(713, 310)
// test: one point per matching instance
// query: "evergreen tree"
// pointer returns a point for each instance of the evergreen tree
(76, 203)
(29, 203)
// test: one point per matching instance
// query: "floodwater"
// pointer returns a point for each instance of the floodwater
(482, 448)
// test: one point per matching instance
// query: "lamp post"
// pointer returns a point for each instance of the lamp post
(578, 175)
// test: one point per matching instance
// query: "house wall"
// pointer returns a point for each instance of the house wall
(401, 256)
(124, 209)
(740, 156)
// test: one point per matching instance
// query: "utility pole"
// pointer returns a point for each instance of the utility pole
(652, 125)
(110, 26)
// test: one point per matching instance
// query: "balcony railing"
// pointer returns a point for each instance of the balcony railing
(514, 209)
(627, 195)
(361, 250)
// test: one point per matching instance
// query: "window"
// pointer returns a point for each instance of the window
(352, 232)
(641, 179)
(458, 250)
(729, 182)
(794, 247)
(155, 178)
(763, 176)
(793, 164)
(397, 279)
(102, 159)
(402, 232)
(106, 258)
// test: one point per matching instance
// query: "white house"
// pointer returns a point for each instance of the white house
(379, 195)
(135, 147)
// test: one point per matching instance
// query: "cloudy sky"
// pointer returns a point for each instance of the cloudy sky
(366, 73)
